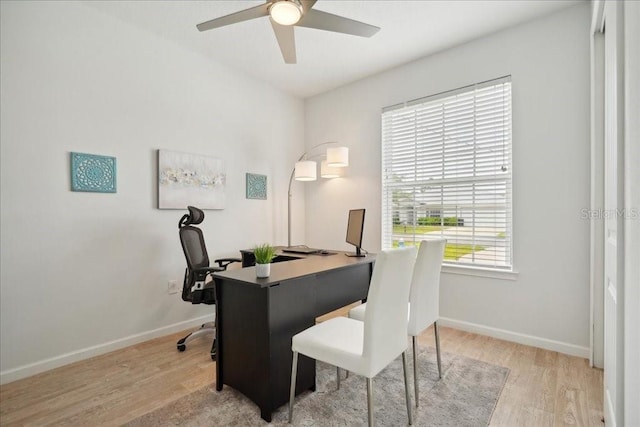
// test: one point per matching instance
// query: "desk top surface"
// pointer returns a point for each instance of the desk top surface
(305, 265)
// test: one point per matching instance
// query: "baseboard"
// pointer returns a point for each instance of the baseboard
(85, 353)
(547, 344)
(65, 359)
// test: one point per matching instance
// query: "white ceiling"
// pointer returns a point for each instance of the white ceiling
(409, 30)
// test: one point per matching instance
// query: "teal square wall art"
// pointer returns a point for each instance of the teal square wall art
(93, 173)
(256, 186)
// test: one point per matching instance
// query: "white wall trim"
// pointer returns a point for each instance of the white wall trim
(610, 418)
(597, 16)
(596, 235)
(85, 353)
(533, 341)
(632, 207)
(480, 272)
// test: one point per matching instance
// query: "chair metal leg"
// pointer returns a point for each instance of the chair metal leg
(338, 377)
(370, 400)
(435, 329)
(207, 328)
(292, 392)
(406, 387)
(415, 371)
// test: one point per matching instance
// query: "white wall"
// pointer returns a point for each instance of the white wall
(548, 59)
(83, 273)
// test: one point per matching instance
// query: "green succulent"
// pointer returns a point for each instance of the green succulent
(264, 253)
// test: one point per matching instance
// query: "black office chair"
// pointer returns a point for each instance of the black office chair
(196, 288)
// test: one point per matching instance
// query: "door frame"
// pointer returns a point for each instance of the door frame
(628, 62)
(631, 205)
(596, 282)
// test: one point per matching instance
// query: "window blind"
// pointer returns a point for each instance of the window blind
(446, 171)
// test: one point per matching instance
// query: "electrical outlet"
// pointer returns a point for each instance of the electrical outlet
(172, 287)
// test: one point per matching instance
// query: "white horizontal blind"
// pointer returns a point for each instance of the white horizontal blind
(446, 171)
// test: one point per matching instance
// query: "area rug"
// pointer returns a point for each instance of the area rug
(465, 396)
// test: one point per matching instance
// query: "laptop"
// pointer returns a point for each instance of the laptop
(301, 250)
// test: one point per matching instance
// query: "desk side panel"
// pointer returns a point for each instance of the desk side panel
(337, 288)
(243, 339)
(291, 310)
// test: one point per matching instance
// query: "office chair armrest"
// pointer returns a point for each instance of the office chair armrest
(199, 291)
(224, 262)
(201, 273)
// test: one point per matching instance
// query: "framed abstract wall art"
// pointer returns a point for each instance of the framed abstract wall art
(256, 186)
(186, 179)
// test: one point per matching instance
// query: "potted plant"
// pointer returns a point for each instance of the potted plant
(264, 255)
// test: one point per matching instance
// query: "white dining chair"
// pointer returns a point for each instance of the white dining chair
(423, 300)
(366, 347)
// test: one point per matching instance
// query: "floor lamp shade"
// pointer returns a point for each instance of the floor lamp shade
(327, 171)
(338, 157)
(305, 170)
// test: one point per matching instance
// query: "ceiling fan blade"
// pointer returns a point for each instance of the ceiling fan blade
(329, 22)
(243, 15)
(307, 5)
(286, 41)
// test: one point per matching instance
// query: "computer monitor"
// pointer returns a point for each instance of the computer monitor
(355, 226)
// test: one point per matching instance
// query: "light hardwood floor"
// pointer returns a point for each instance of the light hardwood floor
(544, 388)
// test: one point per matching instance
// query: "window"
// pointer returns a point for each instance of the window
(446, 171)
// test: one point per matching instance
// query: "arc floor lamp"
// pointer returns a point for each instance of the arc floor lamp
(306, 170)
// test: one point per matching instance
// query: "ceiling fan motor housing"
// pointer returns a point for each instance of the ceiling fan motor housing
(286, 12)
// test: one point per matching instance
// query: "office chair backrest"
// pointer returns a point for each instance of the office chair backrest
(195, 251)
(192, 239)
(424, 299)
(385, 323)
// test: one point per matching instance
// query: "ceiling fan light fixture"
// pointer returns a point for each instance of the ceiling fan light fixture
(286, 12)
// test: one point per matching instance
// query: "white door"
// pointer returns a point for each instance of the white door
(613, 339)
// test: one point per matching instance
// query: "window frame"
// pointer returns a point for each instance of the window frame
(390, 209)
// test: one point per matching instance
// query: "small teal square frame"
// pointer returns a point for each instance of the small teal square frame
(256, 186)
(93, 173)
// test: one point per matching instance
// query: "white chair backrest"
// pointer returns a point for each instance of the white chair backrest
(424, 299)
(385, 323)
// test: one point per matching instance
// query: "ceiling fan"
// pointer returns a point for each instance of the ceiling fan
(286, 14)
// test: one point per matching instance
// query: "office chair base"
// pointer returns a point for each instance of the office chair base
(205, 329)
(183, 347)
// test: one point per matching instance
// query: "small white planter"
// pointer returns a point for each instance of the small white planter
(263, 270)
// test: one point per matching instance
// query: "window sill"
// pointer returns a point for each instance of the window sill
(480, 272)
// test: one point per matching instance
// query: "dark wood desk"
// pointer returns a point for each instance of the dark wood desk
(256, 319)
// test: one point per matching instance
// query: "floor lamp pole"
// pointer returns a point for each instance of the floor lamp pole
(289, 192)
(289, 210)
